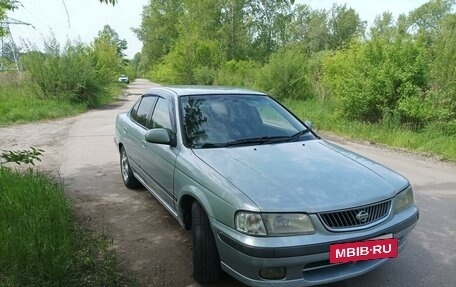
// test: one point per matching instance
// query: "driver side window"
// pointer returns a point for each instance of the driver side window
(161, 117)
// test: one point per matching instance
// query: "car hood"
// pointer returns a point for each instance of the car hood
(310, 176)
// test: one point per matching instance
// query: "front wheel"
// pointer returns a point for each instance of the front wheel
(128, 177)
(206, 260)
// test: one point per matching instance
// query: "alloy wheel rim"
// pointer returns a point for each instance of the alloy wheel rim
(125, 166)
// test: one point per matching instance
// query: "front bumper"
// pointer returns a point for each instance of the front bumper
(306, 257)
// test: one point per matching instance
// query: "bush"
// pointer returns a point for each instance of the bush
(204, 75)
(443, 70)
(286, 75)
(191, 62)
(371, 79)
(70, 74)
(238, 74)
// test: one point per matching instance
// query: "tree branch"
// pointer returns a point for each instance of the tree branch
(113, 2)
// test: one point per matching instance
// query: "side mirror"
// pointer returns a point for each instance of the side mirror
(308, 124)
(158, 136)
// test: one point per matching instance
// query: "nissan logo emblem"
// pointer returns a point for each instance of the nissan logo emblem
(362, 216)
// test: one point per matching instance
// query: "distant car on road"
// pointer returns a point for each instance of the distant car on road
(124, 79)
(268, 201)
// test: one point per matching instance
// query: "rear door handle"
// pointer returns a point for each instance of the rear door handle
(125, 130)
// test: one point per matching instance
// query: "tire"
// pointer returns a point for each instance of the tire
(128, 177)
(206, 260)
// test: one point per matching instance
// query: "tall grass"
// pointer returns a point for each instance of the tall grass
(58, 82)
(21, 101)
(41, 245)
(69, 73)
(325, 116)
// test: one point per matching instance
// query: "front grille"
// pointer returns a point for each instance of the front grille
(356, 218)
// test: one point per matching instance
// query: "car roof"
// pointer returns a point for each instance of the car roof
(203, 90)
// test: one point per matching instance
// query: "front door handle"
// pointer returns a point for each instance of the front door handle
(143, 143)
(125, 130)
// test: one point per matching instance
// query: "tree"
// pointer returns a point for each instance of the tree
(344, 24)
(310, 28)
(159, 29)
(443, 69)
(5, 6)
(107, 52)
(197, 52)
(113, 2)
(383, 26)
(271, 24)
(235, 26)
(427, 17)
(111, 35)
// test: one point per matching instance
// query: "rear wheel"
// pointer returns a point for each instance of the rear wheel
(206, 260)
(128, 177)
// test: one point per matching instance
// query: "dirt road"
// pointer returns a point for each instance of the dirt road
(152, 246)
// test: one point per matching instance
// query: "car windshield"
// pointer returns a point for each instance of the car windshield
(236, 120)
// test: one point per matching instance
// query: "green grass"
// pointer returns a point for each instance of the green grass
(324, 116)
(115, 89)
(20, 103)
(41, 244)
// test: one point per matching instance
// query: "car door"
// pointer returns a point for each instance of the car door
(134, 132)
(158, 159)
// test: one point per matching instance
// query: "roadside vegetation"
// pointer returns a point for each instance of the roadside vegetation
(391, 83)
(64, 81)
(42, 243)
(428, 141)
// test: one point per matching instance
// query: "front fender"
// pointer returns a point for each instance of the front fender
(219, 197)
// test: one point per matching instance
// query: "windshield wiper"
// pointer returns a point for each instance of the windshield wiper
(298, 134)
(257, 140)
(262, 140)
(293, 137)
(210, 145)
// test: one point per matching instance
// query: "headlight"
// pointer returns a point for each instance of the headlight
(287, 223)
(273, 223)
(250, 223)
(403, 200)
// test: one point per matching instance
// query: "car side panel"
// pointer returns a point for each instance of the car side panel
(127, 134)
(133, 140)
(158, 164)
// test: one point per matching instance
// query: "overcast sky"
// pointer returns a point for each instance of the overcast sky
(87, 17)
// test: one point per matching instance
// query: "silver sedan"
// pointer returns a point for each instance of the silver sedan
(268, 201)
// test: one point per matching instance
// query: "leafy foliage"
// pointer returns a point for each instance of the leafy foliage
(110, 35)
(113, 2)
(238, 73)
(442, 93)
(285, 75)
(372, 79)
(78, 73)
(107, 53)
(22, 156)
(158, 31)
(399, 77)
(6, 5)
(401, 72)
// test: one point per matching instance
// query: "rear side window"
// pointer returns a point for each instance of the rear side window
(144, 109)
(134, 110)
